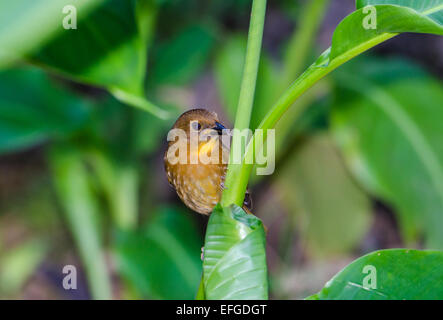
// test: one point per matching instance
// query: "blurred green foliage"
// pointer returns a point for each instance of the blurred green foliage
(181, 58)
(105, 50)
(228, 71)
(387, 122)
(19, 263)
(34, 108)
(161, 260)
(372, 131)
(18, 36)
(314, 182)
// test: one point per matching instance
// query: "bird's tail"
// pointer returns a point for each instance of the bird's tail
(247, 203)
(246, 209)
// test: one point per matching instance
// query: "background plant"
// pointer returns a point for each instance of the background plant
(96, 163)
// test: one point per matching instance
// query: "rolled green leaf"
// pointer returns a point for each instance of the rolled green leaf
(234, 265)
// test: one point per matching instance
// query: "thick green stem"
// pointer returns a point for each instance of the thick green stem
(246, 98)
(296, 55)
(310, 77)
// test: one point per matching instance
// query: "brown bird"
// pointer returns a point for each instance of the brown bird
(200, 184)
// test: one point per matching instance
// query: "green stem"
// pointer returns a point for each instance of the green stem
(296, 55)
(146, 12)
(311, 76)
(246, 97)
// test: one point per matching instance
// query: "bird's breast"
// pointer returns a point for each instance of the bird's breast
(198, 185)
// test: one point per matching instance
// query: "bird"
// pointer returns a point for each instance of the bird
(200, 184)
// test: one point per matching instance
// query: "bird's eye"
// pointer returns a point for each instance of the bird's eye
(196, 125)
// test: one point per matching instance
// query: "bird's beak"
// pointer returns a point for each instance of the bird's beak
(219, 128)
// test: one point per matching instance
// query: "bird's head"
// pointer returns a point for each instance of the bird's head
(199, 120)
(202, 125)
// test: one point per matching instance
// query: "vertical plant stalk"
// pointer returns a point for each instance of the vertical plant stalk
(296, 55)
(81, 212)
(301, 44)
(301, 41)
(119, 181)
(246, 99)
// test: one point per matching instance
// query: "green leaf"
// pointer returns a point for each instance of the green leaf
(433, 6)
(108, 49)
(18, 36)
(394, 16)
(34, 109)
(162, 260)
(331, 212)
(178, 60)
(105, 49)
(387, 120)
(234, 265)
(129, 132)
(399, 274)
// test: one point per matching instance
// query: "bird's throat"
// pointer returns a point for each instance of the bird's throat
(207, 147)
